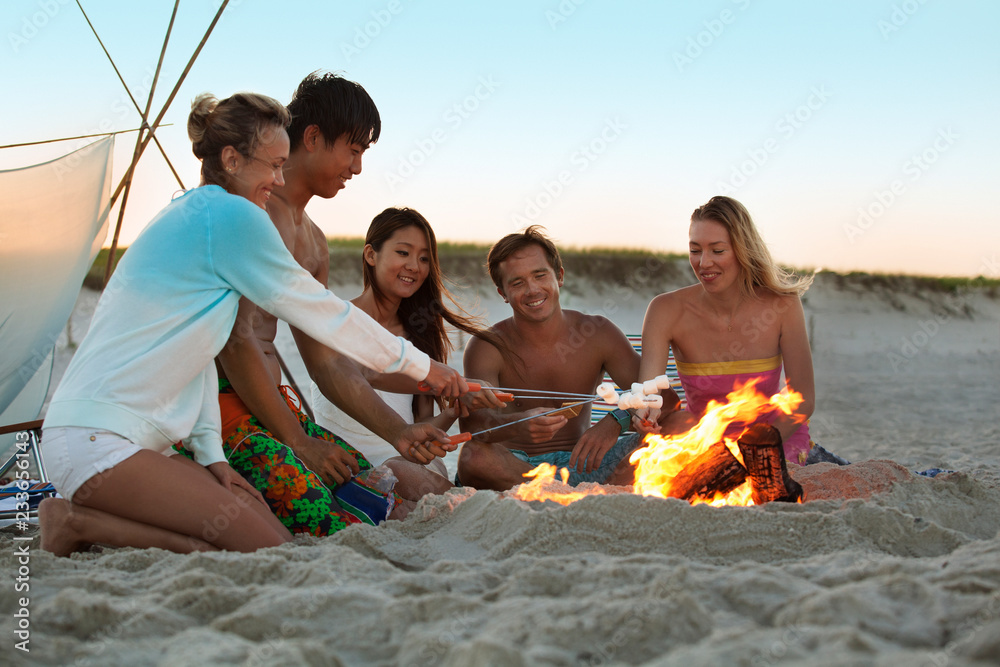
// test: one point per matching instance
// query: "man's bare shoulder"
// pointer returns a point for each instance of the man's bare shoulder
(578, 320)
(480, 347)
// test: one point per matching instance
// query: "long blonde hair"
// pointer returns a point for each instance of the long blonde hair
(757, 268)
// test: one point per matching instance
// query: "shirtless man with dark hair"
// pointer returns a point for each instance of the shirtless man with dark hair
(333, 123)
(559, 350)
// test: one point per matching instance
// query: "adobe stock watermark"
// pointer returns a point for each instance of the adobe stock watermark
(913, 344)
(712, 30)
(562, 12)
(453, 118)
(786, 127)
(581, 159)
(365, 34)
(899, 17)
(965, 633)
(913, 168)
(32, 23)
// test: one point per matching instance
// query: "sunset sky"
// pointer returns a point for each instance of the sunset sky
(861, 134)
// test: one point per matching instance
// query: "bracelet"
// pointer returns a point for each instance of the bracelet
(623, 418)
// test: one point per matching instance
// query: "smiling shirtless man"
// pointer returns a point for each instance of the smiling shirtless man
(559, 350)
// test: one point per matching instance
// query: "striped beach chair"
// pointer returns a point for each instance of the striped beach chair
(20, 498)
(600, 408)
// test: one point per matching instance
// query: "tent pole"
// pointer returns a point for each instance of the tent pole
(145, 119)
(136, 153)
(82, 136)
(166, 105)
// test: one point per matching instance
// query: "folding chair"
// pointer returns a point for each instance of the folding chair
(599, 408)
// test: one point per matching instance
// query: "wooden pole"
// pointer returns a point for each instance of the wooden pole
(82, 136)
(163, 111)
(136, 153)
(145, 118)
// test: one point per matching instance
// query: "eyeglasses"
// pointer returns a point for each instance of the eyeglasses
(276, 170)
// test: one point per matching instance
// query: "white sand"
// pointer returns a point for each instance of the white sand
(889, 569)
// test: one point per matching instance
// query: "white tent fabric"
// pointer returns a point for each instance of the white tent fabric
(53, 221)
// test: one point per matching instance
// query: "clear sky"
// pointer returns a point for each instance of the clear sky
(861, 134)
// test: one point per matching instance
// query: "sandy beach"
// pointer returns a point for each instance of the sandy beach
(879, 567)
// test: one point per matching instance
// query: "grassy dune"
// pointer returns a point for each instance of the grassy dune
(602, 269)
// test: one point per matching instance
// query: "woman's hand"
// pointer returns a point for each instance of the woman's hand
(445, 381)
(229, 478)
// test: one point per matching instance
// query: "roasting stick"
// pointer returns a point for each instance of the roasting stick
(636, 398)
(465, 437)
(508, 393)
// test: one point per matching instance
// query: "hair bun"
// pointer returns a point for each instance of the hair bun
(202, 109)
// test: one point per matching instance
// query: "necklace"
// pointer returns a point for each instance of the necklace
(732, 316)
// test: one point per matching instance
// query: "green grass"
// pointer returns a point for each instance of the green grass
(465, 260)
(951, 284)
(95, 276)
(344, 243)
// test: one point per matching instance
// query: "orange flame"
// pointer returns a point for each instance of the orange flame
(662, 458)
(544, 486)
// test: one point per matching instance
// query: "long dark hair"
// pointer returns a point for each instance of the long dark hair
(423, 315)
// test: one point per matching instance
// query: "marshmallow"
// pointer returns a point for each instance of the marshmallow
(637, 388)
(624, 401)
(607, 392)
(650, 387)
(636, 401)
(662, 381)
(655, 401)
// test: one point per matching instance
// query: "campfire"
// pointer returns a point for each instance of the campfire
(702, 465)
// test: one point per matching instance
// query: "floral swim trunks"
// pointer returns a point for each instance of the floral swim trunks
(296, 495)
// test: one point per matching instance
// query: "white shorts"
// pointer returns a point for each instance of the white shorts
(72, 455)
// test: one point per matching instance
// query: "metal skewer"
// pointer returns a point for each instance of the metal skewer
(465, 437)
(509, 393)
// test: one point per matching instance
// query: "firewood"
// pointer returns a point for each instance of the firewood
(714, 471)
(764, 459)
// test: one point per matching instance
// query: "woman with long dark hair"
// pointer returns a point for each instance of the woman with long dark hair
(404, 291)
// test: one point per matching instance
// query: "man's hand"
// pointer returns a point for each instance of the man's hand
(422, 443)
(229, 478)
(596, 441)
(539, 429)
(333, 465)
(445, 381)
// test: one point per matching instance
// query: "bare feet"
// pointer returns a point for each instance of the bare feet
(68, 527)
(59, 535)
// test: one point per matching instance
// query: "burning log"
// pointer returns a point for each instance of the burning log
(764, 458)
(714, 471)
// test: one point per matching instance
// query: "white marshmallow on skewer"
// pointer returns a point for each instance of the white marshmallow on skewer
(624, 401)
(651, 387)
(637, 401)
(662, 381)
(607, 392)
(655, 401)
(637, 388)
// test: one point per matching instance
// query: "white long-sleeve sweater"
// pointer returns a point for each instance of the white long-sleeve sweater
(145, 369)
